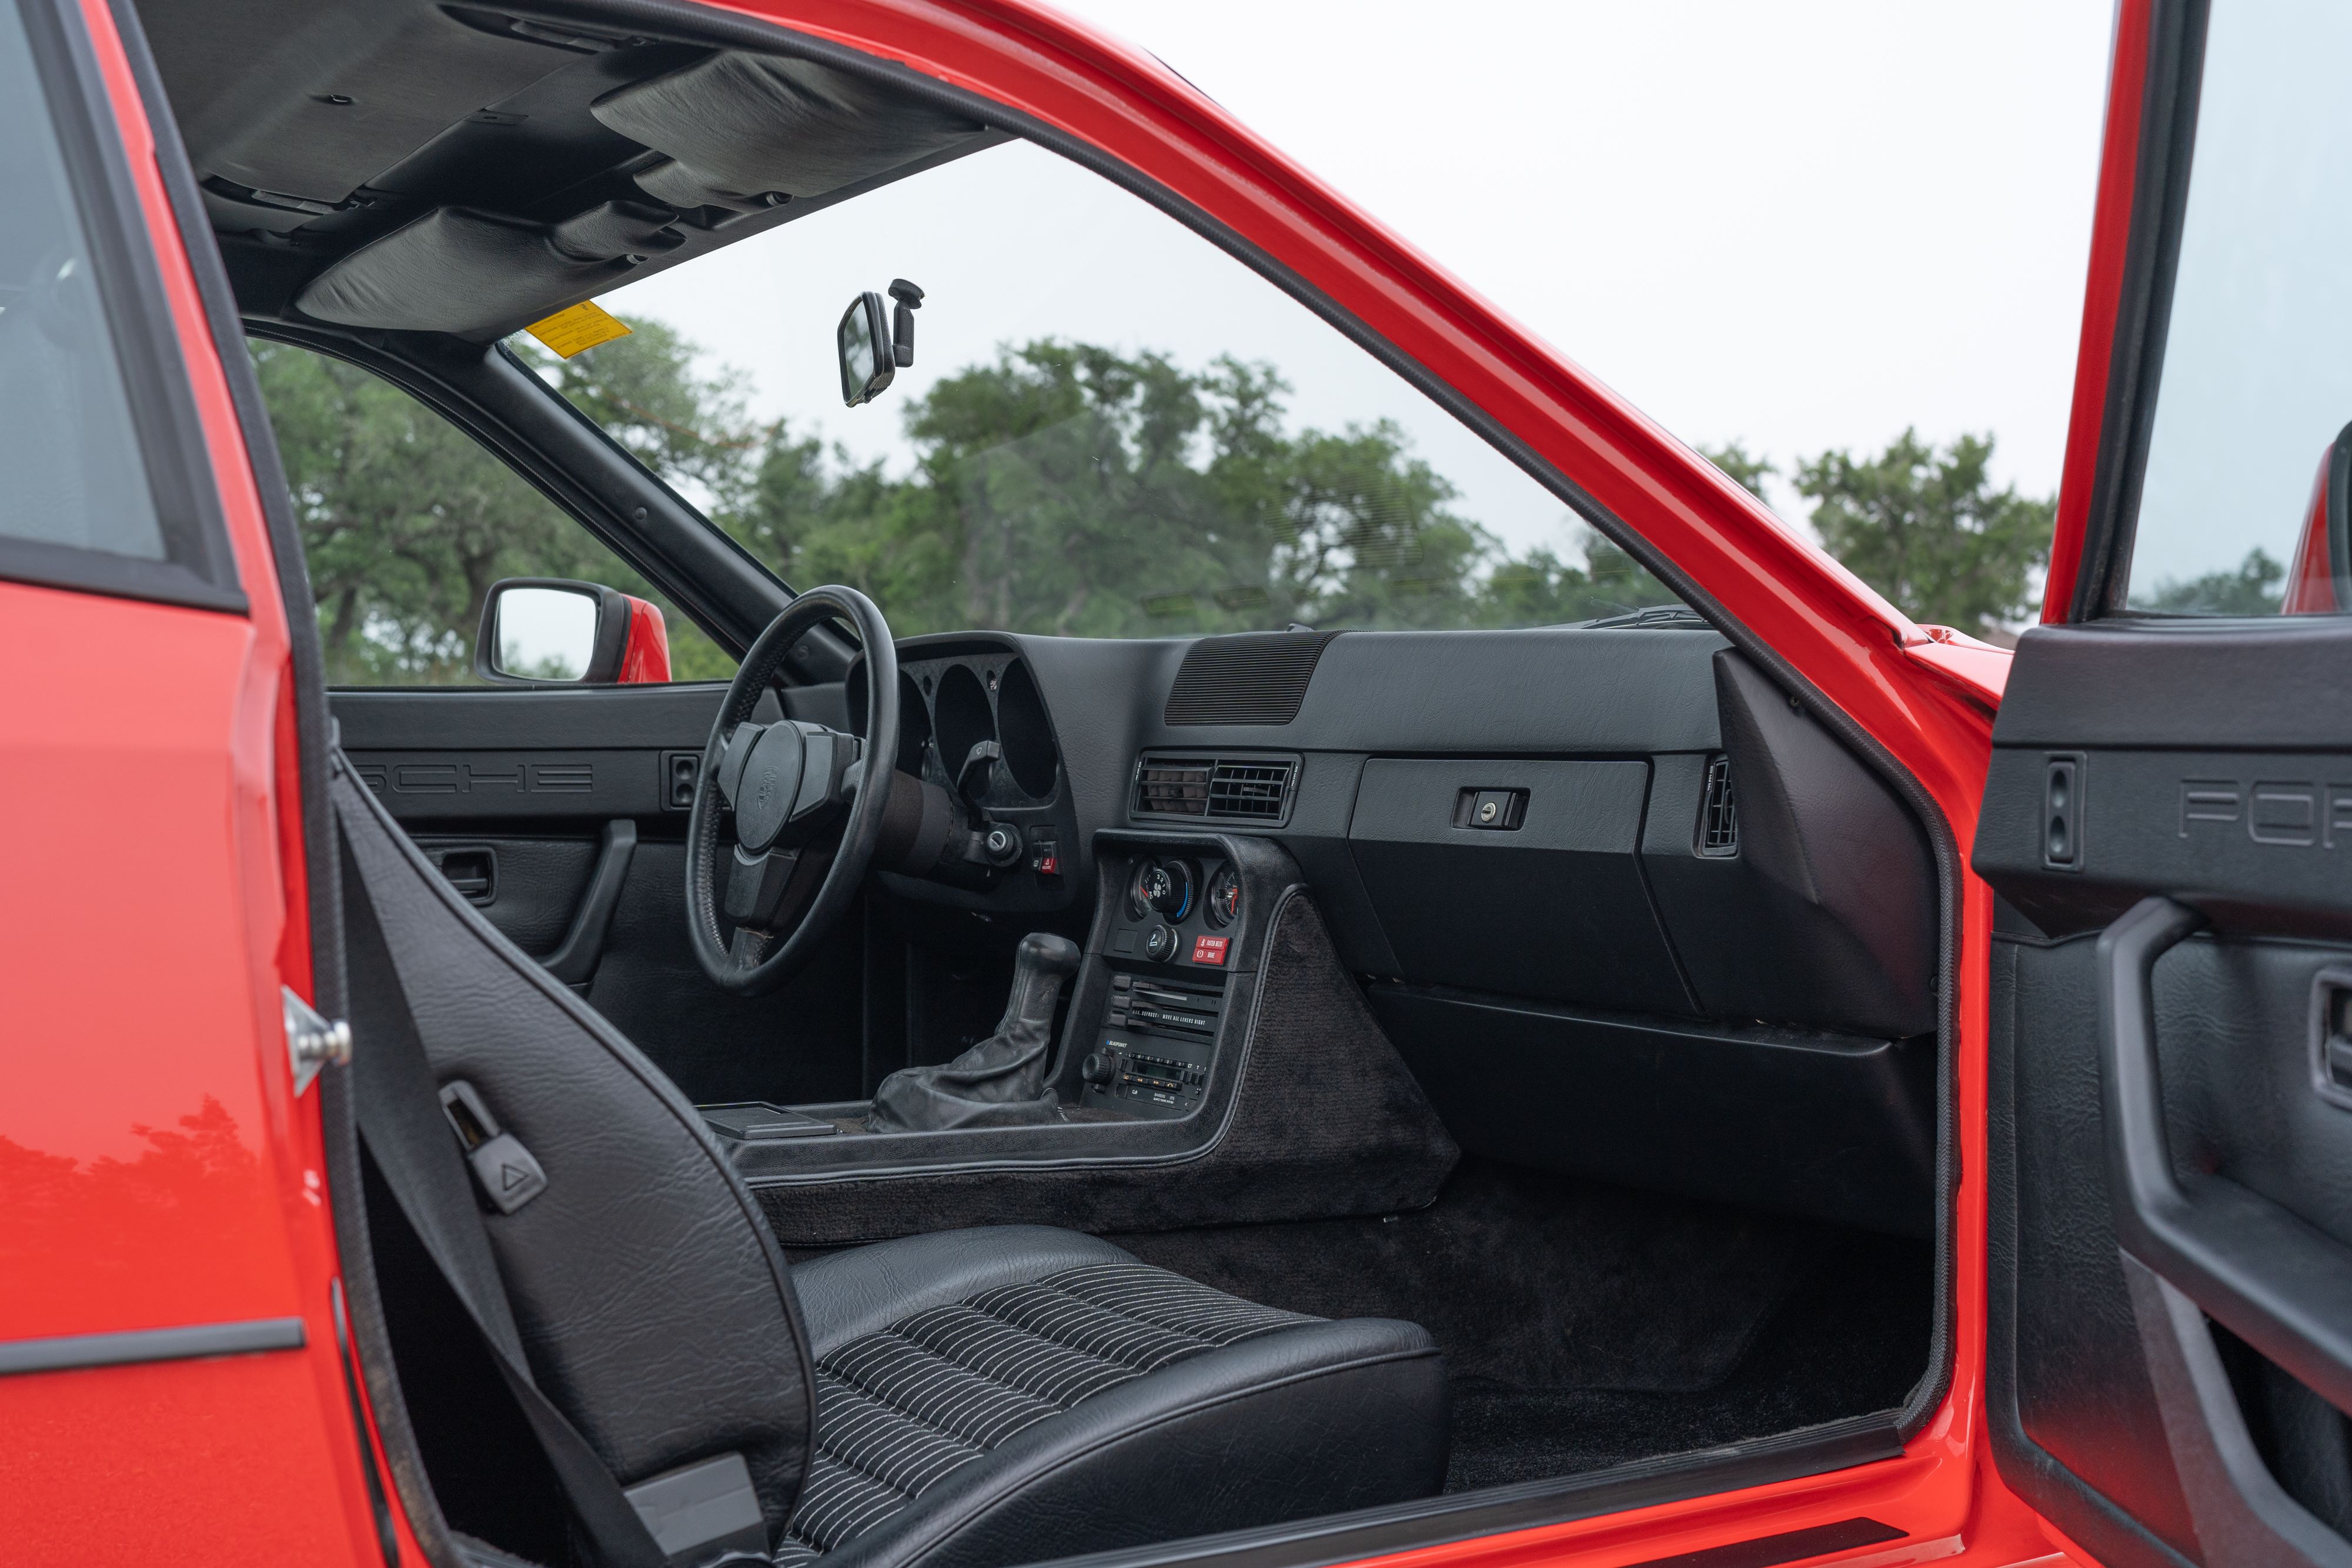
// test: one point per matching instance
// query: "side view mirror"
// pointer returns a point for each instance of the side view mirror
(550, 630)
(873, 347)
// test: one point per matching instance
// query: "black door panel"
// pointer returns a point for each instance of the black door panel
(2143, 762)
(801, 1046)
(535, 885)
(2075, 1425)
(566, 804)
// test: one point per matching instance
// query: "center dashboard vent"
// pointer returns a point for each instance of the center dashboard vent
(1256, 677)
(1249, 790)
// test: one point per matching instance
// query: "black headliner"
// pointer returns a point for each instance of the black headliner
(445, 106)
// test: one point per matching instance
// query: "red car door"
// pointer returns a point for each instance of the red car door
(2170, 804)
(169, 1310)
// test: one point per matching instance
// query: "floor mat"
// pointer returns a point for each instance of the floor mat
(1586, 1325)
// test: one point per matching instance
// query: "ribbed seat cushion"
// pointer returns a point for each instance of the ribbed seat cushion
(902, 1409)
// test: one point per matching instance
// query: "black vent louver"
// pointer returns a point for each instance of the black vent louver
(1172, 789)
(1251, 790)
(1259, 677)
(1718, 812)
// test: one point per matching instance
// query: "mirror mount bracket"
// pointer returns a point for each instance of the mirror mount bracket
(902, 321)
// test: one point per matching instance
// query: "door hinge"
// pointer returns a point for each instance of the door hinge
(312, 1041)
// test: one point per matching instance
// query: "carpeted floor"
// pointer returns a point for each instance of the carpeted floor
(1585, 1325)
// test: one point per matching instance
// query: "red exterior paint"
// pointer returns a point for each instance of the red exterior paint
(255, 1460)
(2310, 575)
(645, 658)
(149, 1093)
(2102, 297)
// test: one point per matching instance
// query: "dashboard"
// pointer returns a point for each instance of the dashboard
(1632, 818)
(1621, 903)
(973, 721)
(1618, 901)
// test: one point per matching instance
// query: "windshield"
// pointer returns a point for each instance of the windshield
(1110, 428)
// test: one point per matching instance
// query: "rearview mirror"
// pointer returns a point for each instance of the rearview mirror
(873, 348)
(547, 631)
(864, 338)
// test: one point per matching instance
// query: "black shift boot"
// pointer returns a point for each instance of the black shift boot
(1001, 1081)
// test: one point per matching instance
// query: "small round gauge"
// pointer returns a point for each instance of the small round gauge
(1174, 894)
(1146, 888)
(1223, 901)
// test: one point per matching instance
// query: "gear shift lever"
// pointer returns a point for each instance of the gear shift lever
(1001, 1081)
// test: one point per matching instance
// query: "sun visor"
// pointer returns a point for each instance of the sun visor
(462, 271)
(738, 128)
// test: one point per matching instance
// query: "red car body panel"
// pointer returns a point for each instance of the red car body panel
(183, 1174)
(2311, 571)
(2103, 298)
(645, 655)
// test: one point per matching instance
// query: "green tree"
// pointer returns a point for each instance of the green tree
(1059, 488)
(1926, 528)
(406, 522)
(1067, 488)
(1744, 470)
(2256, 587)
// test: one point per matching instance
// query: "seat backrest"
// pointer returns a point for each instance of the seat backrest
(652, 1302)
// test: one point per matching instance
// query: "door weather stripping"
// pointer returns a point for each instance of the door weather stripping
(311, 1042)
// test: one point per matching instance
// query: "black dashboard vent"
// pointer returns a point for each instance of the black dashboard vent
(1258, 677)
(1249, 791)
(1718, 813)
(1171, 788)
(1253, 790)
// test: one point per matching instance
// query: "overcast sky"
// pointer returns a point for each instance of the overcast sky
(1801, 223)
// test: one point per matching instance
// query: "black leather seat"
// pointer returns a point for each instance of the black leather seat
(969, 1399)
(1001, 1395)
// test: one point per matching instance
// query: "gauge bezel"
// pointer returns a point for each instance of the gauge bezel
(1227, 874)
(1181, 875)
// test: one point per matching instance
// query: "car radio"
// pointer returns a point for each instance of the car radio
(1153, 1055)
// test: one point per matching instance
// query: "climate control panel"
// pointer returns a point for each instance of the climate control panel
(1180, 909)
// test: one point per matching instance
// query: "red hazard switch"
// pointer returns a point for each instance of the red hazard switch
(1209, 949)
(1049, 865)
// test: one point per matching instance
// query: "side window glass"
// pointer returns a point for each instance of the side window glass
(2244, 500)
(1110, 428)
(76, 475)
(407, 522)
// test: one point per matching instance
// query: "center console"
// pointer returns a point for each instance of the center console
(1148, 1056)
(1217, 1064)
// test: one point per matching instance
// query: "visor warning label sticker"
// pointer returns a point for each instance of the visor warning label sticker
(578, 329)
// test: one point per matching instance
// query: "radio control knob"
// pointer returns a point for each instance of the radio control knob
(1096, 1067)
(1160, 944)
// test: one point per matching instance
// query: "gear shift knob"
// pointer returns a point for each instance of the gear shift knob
(1040, 964)
(1001, 1081)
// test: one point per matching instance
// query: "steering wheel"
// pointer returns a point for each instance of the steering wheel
(805, 804)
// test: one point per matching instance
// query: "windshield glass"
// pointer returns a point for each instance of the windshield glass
(1110, 428)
